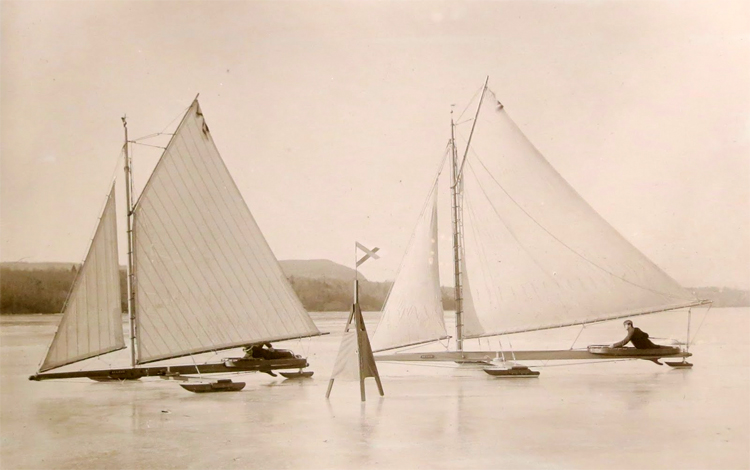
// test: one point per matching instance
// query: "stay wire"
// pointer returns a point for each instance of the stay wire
(583, 325)
(690, 341)
(148, 145)
(156, 134)
(479, 90)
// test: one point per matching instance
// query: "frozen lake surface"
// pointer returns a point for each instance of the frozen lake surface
(615, 415)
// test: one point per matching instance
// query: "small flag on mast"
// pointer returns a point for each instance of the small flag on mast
(368, 253)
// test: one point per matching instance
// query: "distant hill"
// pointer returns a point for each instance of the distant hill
(723, 296)
(24, 266)
(318, 269)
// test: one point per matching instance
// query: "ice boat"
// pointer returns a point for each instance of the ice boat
(201, 276)
(529, 253)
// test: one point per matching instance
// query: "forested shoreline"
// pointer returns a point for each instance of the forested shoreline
(45, 291)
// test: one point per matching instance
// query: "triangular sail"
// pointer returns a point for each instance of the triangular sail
(413, 312)
(538, 255)
(206, 278)
(354, 360)
(92, 318)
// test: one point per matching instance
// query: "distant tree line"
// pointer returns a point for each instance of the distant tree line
(40, 290)
(45, 291)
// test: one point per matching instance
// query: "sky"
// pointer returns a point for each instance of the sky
(333, 116)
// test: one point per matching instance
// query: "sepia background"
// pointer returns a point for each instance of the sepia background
(333, 116)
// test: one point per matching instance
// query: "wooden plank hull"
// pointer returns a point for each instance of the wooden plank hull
(512, 372)
(229, 365)
(541, 355)
(219, 386)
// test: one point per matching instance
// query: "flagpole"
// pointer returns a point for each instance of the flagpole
(356, 275)
(365, 360)
(357, 319)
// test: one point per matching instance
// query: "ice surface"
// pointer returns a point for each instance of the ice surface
(614, 415)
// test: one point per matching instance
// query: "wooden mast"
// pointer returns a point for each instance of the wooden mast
(456, 187)
(458, 294)
(129, 219)
(473, 126)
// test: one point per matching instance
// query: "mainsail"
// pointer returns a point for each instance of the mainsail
(538, 255)
(92, 317)
(413, 312)
(206, 278)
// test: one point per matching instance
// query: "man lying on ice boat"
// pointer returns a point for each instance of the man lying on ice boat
(266, 351)
(637, 338)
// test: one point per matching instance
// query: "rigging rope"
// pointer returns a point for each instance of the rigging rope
(148, 145)
(583, 325)
(510, 346)
(196, 367)
(701, 324)
(469, 104)
(155, 134)
(500, 345)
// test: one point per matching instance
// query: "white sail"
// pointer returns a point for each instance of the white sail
(538, 255)
(470, 322)
(92, 318)
(346, 366)
(205, 277)
(413, 312)
(472, 326)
